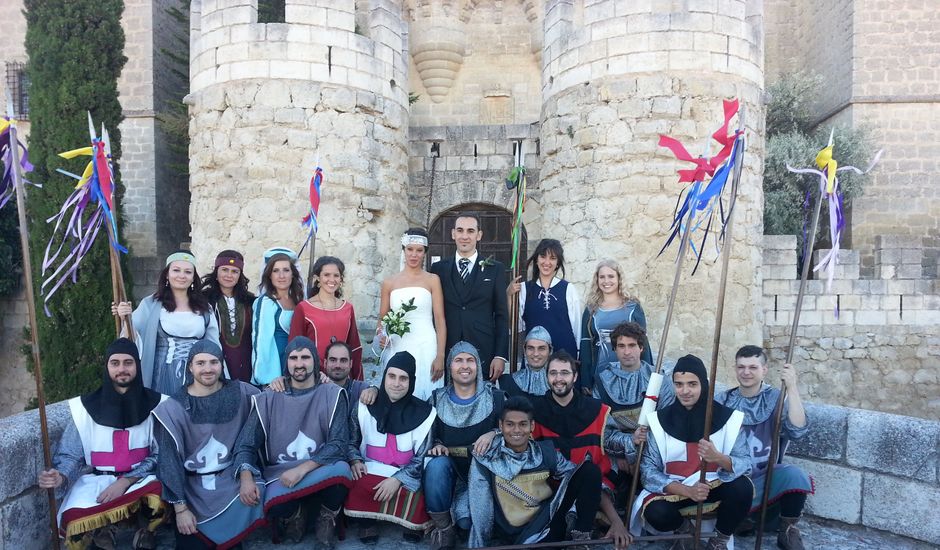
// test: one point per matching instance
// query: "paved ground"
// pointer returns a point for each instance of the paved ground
(817, 534)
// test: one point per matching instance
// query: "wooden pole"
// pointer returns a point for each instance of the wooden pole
(33, 327)
(310, 261)
(514, 302)
(117, 281)
(594, 542)
(719, 314)
(683, 246)
(778, 410)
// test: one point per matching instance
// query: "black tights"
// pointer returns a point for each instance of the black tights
(735, 497)
(584, 491)
(791, 505)
(332, 497)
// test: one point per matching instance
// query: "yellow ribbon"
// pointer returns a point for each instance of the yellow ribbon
(4, 124)
(825, 162)
(81, 152)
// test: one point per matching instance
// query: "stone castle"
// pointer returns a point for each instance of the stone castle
(418, 108)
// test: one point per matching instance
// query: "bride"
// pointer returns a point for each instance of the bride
(421, 340)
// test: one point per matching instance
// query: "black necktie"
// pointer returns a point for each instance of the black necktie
(464, 266)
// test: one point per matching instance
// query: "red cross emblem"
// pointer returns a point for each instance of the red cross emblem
(122, 458)
(389, 454)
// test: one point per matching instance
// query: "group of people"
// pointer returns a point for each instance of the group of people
(230, 412)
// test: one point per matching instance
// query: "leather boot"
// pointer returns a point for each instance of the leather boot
(443, 534)
(684, 529)
(788, 537)
(294, 526)
(718, 542)
(103, 538)
(144, 539)
(325, 528)
(579, 536)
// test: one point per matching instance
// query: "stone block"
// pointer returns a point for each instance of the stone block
(838, 492)
(20, 444)
(25, 521)
(901, 506)
(894, 444)
(826, 439)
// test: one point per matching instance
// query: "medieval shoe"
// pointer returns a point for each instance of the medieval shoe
(443, 534)
(577, 536)
(144, 539)
(325, 527)
(718, 542)
(369, 534)
(684, 529)
(413, 537)
(294, 526)
(788, 537)
(103, 538)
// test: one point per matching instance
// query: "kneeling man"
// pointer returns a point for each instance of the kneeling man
(108, 439)
(304, 432)
(674, 454)
(510, 488)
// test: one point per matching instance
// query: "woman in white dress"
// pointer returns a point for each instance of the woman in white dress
(422, 340)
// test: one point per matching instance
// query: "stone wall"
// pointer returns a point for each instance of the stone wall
(19, 386)
(881, 352)
(615, 76)
(873, 469)
(270, 100)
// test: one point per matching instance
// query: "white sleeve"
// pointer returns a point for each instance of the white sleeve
(574, 311)
(522, 307)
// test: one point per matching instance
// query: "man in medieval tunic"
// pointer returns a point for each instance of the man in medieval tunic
(580, 428)
(530, 380)
(196, 430)
(389, 440)
(511, 489)
(303, 433)
(467, 418)
(107, 456)
(758, 400)
(673, 457)
(338, 366)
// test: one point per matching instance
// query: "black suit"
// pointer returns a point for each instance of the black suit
(475, 310)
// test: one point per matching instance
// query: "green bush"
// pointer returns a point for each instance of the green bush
(75, 57)
(792, 139)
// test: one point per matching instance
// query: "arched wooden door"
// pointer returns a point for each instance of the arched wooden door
(497, 233)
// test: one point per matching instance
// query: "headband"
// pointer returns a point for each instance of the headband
(229, 260)
(181, 257)
(279, 250)
(407, 239)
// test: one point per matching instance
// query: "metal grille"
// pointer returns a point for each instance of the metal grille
(18, 85)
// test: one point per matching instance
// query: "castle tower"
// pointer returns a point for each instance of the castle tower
(268, 100)
(615, 76)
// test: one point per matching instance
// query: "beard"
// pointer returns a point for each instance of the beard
(296, 375)
(562, 392)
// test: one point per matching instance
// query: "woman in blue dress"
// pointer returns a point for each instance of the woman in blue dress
(608, 305)
(282, 288)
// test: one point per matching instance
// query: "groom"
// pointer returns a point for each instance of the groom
(475, 297)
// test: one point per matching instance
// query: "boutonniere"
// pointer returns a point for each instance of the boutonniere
(486, 262)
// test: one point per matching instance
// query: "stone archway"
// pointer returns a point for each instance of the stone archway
(497, 232)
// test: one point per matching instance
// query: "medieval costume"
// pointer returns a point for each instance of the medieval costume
(460, 422)
(790, 484)
(197, 466)
(234, 318)
(597, 350)
(391, 439)
(581, 431)
(625, 390)
(270, 327)
(528, 381)
(109, 437)
(671, 455)
(510, 494)
(354, 389)
(324, 325)
(557, 308)
(293, 427)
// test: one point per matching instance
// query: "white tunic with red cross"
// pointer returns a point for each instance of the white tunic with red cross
(385, 454)
(681, 458)
(106, 449)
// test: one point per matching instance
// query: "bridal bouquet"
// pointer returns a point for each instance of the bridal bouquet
(394, 321)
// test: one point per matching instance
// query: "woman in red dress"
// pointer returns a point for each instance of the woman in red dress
(326, 316)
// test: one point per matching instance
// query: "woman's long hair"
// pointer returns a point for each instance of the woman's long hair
(544, 247)
(198, 302)
(296, 290)
(318, 266)
(212, 290)
(595, 297)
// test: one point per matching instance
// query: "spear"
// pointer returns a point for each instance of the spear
(310, 220)
(593, 542)
(516, 179)
(719, 314)
(117, 275)
(31, 309)
(808, 243)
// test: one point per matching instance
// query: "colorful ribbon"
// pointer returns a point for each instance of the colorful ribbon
(696, 203)
(310, 220)
(7, 189)
(517, 179)
(77, 224)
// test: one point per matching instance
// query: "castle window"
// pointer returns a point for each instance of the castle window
(272, 11)
(17, 82)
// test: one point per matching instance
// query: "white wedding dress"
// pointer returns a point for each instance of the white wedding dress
(420, 340)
